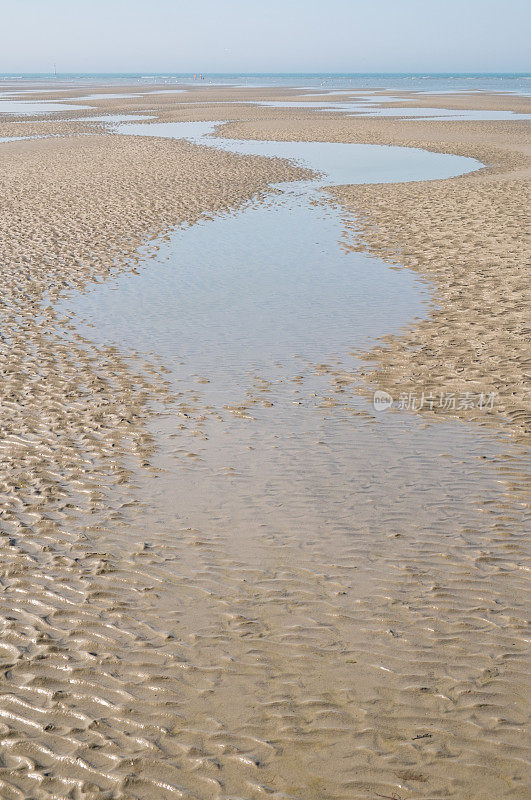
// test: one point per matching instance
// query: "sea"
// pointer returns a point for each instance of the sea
(515, 83)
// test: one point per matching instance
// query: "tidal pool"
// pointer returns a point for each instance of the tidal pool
(33, 108)
(253, 313)
(333, 584)
(371, 107)
(273, 280)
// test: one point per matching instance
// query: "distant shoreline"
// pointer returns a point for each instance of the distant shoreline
(515, 82)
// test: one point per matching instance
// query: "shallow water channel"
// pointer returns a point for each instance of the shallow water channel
(326, 576)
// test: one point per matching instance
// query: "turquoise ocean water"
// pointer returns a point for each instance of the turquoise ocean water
(519, 83)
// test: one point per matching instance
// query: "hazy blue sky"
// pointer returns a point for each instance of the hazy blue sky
(265, 36)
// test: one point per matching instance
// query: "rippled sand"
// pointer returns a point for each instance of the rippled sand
(246, 613)
(469, 235)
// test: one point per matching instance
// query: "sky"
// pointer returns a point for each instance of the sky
(265, 35)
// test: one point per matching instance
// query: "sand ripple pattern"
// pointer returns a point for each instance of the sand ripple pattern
(477, 339)
(332, 656)
(175, 667)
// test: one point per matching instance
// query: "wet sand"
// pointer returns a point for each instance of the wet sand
(277, 632)
(469, 235)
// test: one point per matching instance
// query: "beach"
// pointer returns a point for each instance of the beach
(225, 574)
